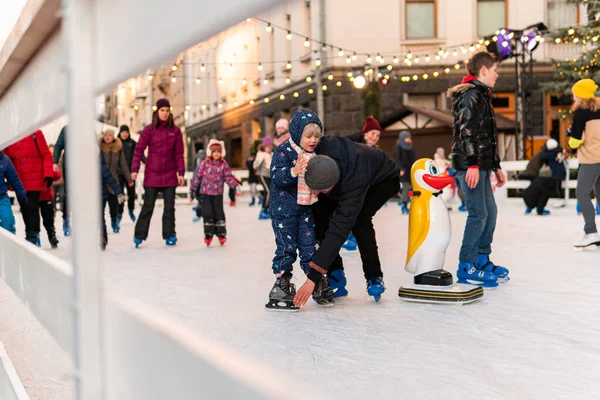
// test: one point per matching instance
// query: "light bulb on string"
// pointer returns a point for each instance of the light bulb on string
(338, 84)
(437, 57)
(244, 82)
(198, 81)
(409, 55)
(348, 60)
(379, 75)
(396, 60)
(235, 103)
(265, 81)
(455, 53)
(173, 79)
(324, 88)
(447, 70)
(571, 31)
(415, 77)
(354, 57)
(457, 66)
(369, 59)
(288, 81)
(318, 62)
(282, 97)
(416, 60)
(220, 81)
(389, 67)
(174, 67)
(310, 91)
(435, 74)
(150, 77)
(330, 77)
(251, 102)
(289, 35)
(425, 76)
(306, 43)
(427, 58)
(472, 49)
(308, 79)
(204, 106)
(462, 48)
(349, 74)
(296, 95)
(259, 67)
(202, 67)
(341, 53)
(269, 28)
(266, 100)
(288, 65)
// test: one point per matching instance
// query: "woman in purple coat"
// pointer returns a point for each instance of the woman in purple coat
(164, 171)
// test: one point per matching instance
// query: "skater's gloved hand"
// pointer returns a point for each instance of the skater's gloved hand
(121, 198)
(304, 293)
(48, 181)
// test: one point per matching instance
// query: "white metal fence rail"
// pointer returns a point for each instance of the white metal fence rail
(59, 56)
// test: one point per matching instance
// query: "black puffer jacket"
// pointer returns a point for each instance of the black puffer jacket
(361, 167)
(474, 140)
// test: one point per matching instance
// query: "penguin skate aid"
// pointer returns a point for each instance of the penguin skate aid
(428, 238)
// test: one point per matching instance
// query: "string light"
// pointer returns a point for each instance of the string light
(310, 91)
(266, 100)
(220, 81)
(259, 67)
(318, 62)
(341, 53)
(296, 95)
(338, 84)
(427, 58)
(220, 105)
(330, 77)
(251, 102)
(174, 67)
(186, 107)
(396, 60)
(389, 67)
(288, 65)
(173, 79)
(348, 60)
(202, 67)
(282, 97)
(289, 35)
(324, 88)
(150, 77)
(265, 81)
(204, 106)
(288, 81)
(369, 60)
(269, 28)
(198, 81)
(308, 79)
(244, 82)
(306, 43)
(354, 57)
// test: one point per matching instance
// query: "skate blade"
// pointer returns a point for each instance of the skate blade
(275, 305)
(487, 285)
(582, 248)
(455, 294)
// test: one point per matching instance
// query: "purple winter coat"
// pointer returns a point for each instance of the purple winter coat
(165, 155)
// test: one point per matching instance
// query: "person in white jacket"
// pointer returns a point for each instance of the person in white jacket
(262, 165)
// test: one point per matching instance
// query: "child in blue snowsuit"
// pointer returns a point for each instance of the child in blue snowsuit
(9, 174)
(290, 211)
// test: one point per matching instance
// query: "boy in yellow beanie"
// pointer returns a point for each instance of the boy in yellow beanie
(584, 135)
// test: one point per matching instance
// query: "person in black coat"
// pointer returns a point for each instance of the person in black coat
(107, 180)
(128, 150)
(542, 187)
(252, 178)
(354, 182)
(405, 158)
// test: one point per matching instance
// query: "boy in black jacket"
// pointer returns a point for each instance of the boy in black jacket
(475, 158)
(354, 181)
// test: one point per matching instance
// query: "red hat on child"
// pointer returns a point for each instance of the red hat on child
(371, 124)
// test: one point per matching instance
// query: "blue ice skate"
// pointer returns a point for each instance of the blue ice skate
(119, 218)
(405, 210)
(34, 239)
(375, 288)
(264, 214)
(196, 218)
(528, 210)
(350, 243)
(463, 207)
(115, 226)
(578, 208)
(171, 241)
(337, 282)
(252, 203)
(132, 215)
(597, 207)
(66, 229)
(137, 242)
(468, 273)
(543, 212)
(484, 263)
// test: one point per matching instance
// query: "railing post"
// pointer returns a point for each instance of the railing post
(84, 194)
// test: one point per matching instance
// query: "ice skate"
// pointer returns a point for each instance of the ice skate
(350, 244)
(264, 214)
(137, 242)
(252, 203)
(115, 226)
(34, 238)
(429, 235)
(337, 282)
(484, 263)
(597, 207)
(468, 273)
(66, 229)
(375, 288)
(222, 240)
(196, 218)
(208, 240)
(281, 297)
(132, 215)
(528, 211)
(52, 239)
(589, 239)
(463, 208)
(171, 240)
(543, 212)
(405, 210)
(323, 295)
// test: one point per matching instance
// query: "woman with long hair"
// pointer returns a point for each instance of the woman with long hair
(584, 136)
(164, 171)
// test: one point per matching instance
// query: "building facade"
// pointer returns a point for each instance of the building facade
(312, 54)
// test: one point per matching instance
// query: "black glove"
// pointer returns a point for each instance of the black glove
(192, 195)
(48, 181)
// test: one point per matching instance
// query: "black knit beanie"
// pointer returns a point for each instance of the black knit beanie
(322, 173)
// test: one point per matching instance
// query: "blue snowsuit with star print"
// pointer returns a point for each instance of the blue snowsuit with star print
(293, 223)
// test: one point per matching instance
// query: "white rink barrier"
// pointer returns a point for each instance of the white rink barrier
(519, 166)
(121, 349)
(11, 387)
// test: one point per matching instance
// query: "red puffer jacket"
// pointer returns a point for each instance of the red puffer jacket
(32, 160)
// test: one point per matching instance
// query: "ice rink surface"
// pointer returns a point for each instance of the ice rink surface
(536, 337)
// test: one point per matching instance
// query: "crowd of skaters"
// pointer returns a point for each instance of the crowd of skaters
(327, 189)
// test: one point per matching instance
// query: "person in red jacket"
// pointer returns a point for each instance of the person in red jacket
(164, 171)
(33, 161)
(47, 210)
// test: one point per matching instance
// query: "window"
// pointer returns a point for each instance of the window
(562, 14)
(491, 16)
(421, 19)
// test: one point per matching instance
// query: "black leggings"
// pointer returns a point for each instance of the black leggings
(266, 182)
(168, 220)
(213, 215)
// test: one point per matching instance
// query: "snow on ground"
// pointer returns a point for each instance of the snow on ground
(535, 337)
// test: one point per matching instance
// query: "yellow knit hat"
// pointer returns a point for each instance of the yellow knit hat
(585, 88)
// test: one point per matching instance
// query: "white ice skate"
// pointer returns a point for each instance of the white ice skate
(429, 236)
(589, 239)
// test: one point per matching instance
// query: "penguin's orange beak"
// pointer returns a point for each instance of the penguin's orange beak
(437, 181)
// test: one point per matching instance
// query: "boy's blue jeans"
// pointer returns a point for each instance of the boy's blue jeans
(7, 218)
(481, 220)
